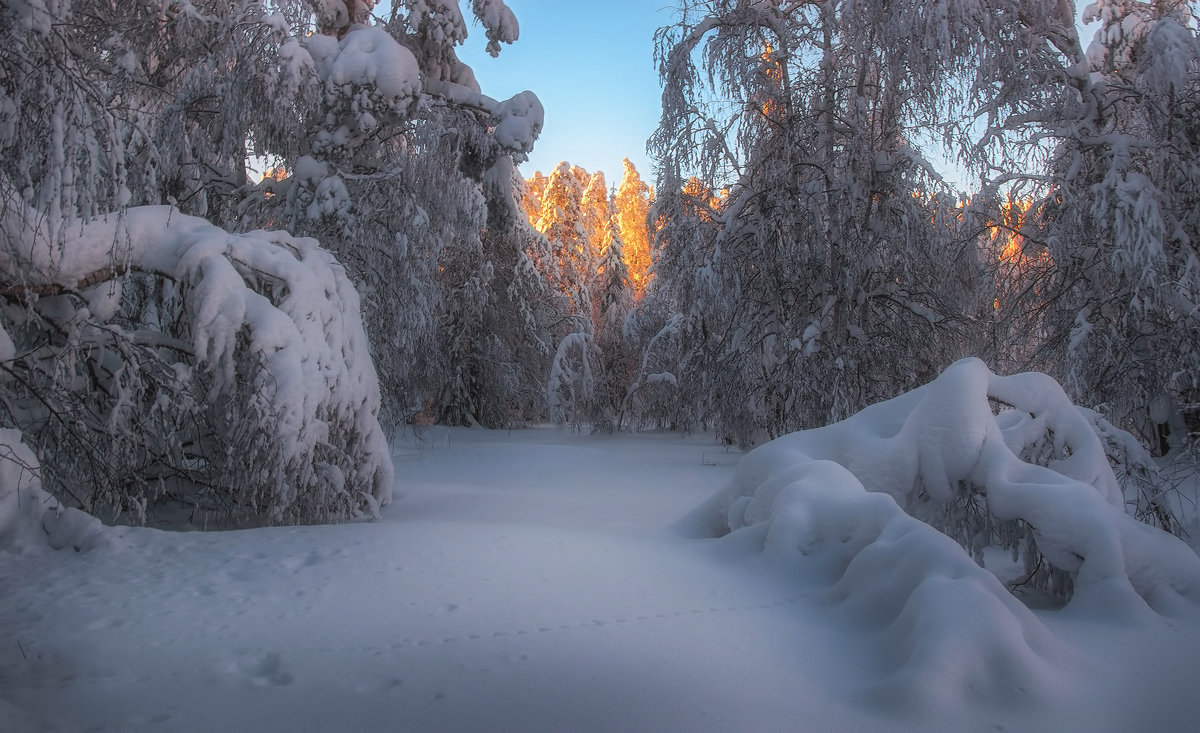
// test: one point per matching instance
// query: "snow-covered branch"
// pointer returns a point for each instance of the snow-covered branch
(270, 320)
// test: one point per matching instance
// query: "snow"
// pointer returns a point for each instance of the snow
(367, 56)
(33, 15)
(923, 447)
(521, 120)
(29, 517)
(7, 350)
(312, 374)
(540, 580)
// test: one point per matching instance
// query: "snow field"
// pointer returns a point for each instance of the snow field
(540, 580)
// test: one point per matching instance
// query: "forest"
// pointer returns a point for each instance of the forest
(872, 405)
(174, 322)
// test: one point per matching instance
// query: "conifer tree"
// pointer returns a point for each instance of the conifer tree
(614, 301)
(632, 206)
(529, 194)
(597, 212)
(561, 222)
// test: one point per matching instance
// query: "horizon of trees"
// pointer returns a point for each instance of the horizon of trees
(838, 269)
(797, 259)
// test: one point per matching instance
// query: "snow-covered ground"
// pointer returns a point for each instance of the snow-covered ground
(539, 580)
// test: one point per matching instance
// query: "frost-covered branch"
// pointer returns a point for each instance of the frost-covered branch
(273, 334)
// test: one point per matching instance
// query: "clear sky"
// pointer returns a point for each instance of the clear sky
(592, 66)
(591, 63)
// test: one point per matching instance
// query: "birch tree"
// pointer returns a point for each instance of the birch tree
(1121, 224)
(832, 275)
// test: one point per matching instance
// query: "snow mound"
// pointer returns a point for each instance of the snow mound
(948, 629)
(847, 502)
(29, 517)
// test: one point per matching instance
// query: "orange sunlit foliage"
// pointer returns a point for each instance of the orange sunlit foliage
(571, 209)
(1012, 219)
(772, 69)
(531, 197)
(699, 200)
(561, 221)
(1015, 254)
(276, 173)
(631, 206)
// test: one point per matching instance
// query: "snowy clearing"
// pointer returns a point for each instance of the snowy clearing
(533, 580)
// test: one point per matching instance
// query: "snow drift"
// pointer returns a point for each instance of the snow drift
(29, 517)
(846, 502)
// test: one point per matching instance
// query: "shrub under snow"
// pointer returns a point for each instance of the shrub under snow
(156, 356)
(845, 501)
(28, 515)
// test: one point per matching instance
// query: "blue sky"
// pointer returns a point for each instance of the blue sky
(592, 66)
(591, 63)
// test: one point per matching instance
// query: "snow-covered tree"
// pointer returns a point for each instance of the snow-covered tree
(562, 222)
(154, 358)
(596, 210)
(401, 170)
(614, 291)
(613, 304)
(571, 388)
(522, 320)
(230, 371)
(1103, 140)
(1120, 220)
(631, 205)
(832, 275)
(529, 193)
(671, 386)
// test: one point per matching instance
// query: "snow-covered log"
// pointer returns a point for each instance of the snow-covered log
(244, 383)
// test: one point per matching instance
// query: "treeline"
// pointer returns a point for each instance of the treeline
(838, 268)
(599, 257)
(156, 363)
(799, 259)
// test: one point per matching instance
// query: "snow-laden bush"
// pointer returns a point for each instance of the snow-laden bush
(153, 357)
(944, 455)
(571, 387)
(28, 515)
(843, 506)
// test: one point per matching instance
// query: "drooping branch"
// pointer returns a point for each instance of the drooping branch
(274, 328)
